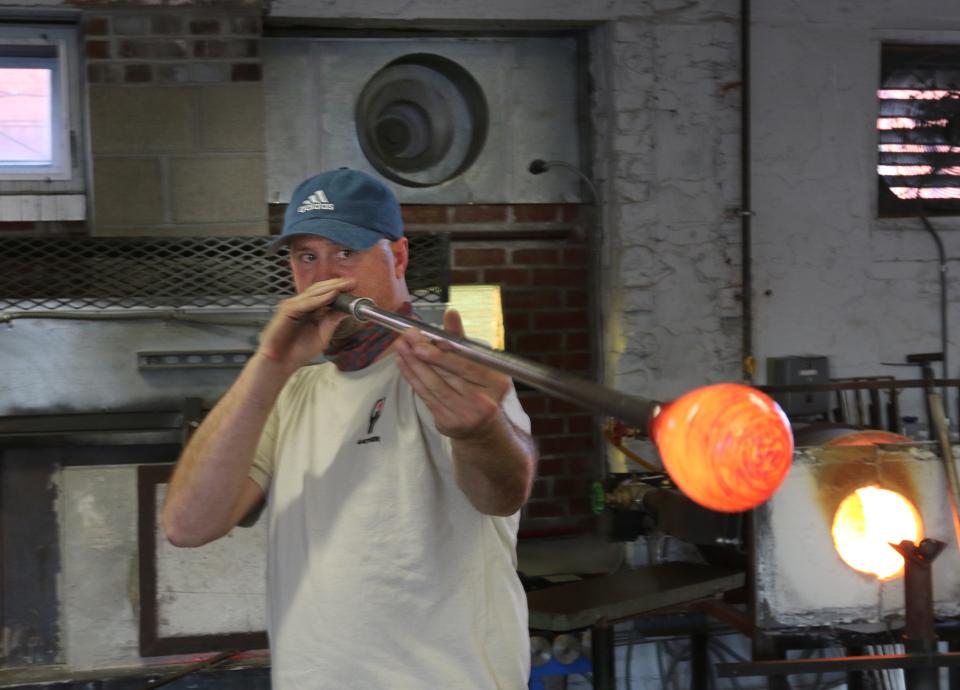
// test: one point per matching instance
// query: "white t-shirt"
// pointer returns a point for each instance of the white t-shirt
(381, 575)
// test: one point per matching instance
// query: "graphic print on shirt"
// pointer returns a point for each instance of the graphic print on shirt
(374, 416)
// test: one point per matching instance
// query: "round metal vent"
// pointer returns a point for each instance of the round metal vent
(421, 120)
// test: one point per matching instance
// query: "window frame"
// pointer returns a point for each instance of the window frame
(895, 53)
(64, 91)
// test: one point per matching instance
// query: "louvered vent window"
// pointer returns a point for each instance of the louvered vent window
(918, 130)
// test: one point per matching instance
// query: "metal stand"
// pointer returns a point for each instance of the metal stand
(602, 652)
(921, 662)
(919, 635)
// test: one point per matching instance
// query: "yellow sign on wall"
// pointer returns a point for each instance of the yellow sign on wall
(482, 312)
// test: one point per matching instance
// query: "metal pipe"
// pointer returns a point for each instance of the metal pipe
(920, 637)
(603, 655)
(746, 211)
(946, 450)
(158, 315)
(633, 410)
(942, 258)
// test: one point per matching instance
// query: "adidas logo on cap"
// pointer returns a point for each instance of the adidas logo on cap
(317, 201)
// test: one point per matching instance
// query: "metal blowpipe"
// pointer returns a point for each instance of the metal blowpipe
(632, 410)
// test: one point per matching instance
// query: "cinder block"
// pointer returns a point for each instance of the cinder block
(222, 189)
(231, 117)
(210, 72)
(127, 191)
(142, 120)
(131, 24)
(254, 229)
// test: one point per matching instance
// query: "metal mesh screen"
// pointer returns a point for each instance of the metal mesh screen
(42, 274)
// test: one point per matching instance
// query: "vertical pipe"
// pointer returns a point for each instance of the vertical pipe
(746, 212)
(3, 572)
(876, 409)
(602, 650)
(941, 434)
(699, 662)
(919, 633)
(893, 412)
(954, 682)
(942, 267)
(765, 648)
(856, 680)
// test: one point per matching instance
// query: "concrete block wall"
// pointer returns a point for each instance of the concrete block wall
(176, 120)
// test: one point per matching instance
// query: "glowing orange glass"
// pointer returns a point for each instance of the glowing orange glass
(867, 437)
(727, 447)
(867, 522)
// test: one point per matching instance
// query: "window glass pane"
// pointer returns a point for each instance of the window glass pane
(918, 130)
(25, 116)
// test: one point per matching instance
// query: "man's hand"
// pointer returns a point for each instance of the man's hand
(464, 397)
(493, 459)
(304, 324)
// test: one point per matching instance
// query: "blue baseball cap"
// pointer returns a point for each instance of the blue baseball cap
(345, 206)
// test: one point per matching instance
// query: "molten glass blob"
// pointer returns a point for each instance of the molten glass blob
(727, 447)
(867, 522)
(867, 437)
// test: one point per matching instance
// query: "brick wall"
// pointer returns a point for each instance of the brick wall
(176, 119)
(172, 46)
(541, 260)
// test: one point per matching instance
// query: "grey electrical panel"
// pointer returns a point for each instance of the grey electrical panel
(800, 369)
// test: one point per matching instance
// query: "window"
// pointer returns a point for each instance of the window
(39, 99)
(918, 130)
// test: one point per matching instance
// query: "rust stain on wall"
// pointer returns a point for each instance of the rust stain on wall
(841, 471)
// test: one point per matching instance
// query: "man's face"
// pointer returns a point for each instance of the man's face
(379, 270)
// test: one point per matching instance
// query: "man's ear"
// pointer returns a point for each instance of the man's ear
(401, 257)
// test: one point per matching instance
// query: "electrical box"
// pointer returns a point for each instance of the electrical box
(800, 369)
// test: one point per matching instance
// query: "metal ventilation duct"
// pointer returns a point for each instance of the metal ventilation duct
(421, 120)
(447, 120)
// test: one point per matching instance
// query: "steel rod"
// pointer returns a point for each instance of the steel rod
(942, 430)
(789, 667)
(632, 410)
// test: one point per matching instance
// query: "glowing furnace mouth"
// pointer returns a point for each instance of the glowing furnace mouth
(867, 522)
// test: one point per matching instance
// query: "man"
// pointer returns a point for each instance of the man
(393, 473)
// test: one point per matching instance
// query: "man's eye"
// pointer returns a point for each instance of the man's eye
(345, 253)
(306, 257)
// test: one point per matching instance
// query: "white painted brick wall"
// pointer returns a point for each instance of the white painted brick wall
(830, 278)
(669, 169)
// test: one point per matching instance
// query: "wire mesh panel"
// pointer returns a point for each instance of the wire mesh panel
(44, 274)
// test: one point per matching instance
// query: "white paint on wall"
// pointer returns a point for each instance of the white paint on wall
(667, 145)
(98, 591)
(215, 589)
(830, 278)
(43, 207)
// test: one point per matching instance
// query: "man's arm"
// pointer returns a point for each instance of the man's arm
(210, 491)
(494, 460)
(496, 469)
